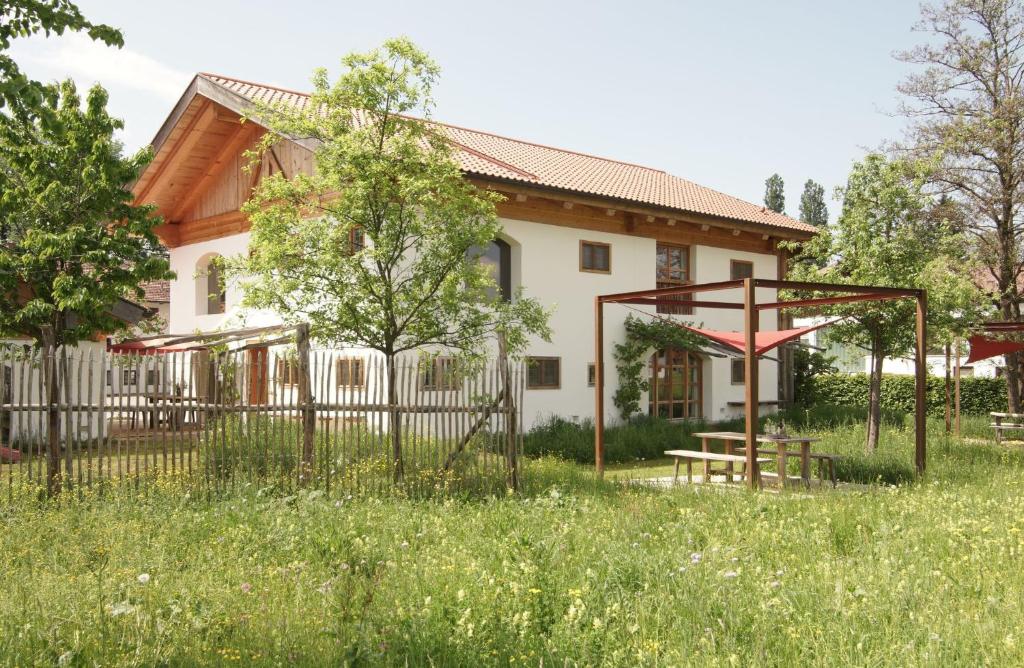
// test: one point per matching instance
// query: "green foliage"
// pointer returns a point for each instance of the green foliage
(641, 438)
(643, 336)
(812, 204)
(978, 395)
(23, 18)
(775, 194)
(806, 365)
(574, 573)
(391, 177)
(69, 234)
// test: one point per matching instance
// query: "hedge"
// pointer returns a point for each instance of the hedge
(978, 396)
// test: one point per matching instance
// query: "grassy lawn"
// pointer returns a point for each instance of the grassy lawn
(571, 573)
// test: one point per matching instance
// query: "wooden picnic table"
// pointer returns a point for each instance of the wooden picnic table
(1016, 422)
(782, 452)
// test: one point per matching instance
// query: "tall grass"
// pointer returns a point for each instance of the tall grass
(573, 572)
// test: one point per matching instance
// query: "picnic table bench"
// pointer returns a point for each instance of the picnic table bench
(1006, 422)
(707, 458)
(781, 451)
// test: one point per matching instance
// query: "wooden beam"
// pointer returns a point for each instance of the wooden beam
(750, 318)
(599, 387)
(921, 378)
(181, 149)
(243, 134)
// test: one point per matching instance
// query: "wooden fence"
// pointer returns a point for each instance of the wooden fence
(270, 416)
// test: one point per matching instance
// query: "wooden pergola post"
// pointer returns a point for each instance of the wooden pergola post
(921, 378)
(599, 386)
(750, 322)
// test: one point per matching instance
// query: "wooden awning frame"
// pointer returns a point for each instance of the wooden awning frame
(839, 294)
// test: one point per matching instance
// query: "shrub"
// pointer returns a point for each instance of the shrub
(978, 396)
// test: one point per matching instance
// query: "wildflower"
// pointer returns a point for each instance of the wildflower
(730, 574)
(122, 608)
(404, 545)
(143, 578)
(246, 587)
(695, 558)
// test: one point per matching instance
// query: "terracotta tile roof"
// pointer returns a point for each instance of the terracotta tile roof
(157, 291)
(490, 155)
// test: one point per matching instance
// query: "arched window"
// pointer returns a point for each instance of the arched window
(211, 296)
(677, 387)
(497, 256)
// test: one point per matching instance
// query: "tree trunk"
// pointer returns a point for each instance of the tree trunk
(49, 344)
(875, 394)
(394, 417)
(949, 412)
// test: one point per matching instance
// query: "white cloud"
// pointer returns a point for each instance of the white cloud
(89, 62)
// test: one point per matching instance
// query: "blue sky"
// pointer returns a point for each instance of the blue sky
(722, 93)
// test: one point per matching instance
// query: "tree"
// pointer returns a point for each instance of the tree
(71, 241)
(22, 18)
(812, 205)
(388, 181)
(775, 194)
(966, 105)
(884, 237)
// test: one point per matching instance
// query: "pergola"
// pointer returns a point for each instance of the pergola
(752, 347)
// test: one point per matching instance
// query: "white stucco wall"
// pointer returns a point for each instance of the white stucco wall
(545, 261)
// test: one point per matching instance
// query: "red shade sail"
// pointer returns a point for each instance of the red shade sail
(763, 341)
(982, 348)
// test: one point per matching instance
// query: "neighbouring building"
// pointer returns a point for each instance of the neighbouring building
(575, 226)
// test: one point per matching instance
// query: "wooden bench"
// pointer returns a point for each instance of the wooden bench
(708, 457)
(1016, 423)
(826, 463)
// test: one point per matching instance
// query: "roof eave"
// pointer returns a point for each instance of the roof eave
(642, 207)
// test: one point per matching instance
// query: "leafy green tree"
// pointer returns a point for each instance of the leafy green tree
(388, 181)
(71, 241)
(883, 237)
(22, 18)
(775, 194)
(964, 103)
(812, 205)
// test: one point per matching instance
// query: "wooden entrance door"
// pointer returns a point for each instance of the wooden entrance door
(677, 384)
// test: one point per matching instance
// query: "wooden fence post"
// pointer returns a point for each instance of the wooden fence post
(305, 401)
(52, 394)
(511, 459)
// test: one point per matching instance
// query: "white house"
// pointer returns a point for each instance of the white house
(575, 226)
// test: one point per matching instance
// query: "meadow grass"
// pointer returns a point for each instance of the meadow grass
(571, 572)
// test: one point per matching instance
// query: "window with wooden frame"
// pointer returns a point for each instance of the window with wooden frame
(738, 371)
(740, 269)
(543, 373)
(591, 375)
(349, 372)
(673, 270)
(356, 239)
(439, 374)
(595, 257)
(288, 372)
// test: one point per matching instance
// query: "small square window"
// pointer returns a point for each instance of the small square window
(739, 371)
(129, 377)
(350, 372)
(591, 375)
(740, 269)
(356, 239)
(596, 257)
(543, 373)
(439, 374)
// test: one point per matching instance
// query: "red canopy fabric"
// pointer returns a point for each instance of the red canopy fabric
(982, 348)
(763, 341)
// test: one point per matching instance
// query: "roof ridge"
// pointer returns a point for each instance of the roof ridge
(253, 83)
(457, 127)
